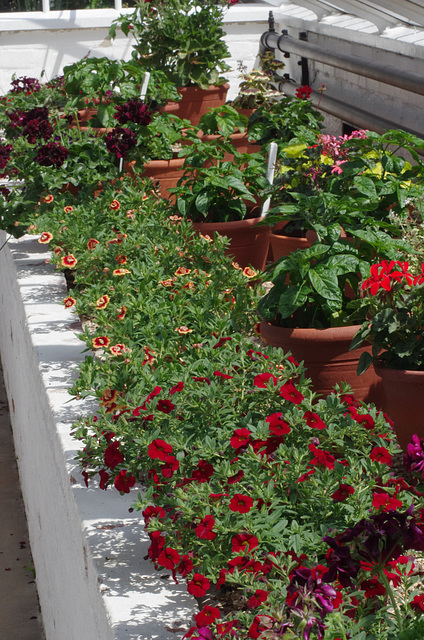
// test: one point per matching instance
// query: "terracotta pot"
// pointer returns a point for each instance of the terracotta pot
(403, 401)
(327, 358)
(238, 140)
(248, 243)
(283, 245)
(163, 173)
(196, 101)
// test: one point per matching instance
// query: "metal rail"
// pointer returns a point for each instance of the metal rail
(387, 74)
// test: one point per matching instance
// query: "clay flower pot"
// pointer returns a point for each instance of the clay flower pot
(248, 243)
(196, 101)
(163, 173)
(403, 401)
(327, 358)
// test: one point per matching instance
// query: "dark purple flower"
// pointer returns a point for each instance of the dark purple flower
(25, 84)
(17, 118)
(34, 129)
(135, 110)
(52, 154)
(414, 456)
(119, 141)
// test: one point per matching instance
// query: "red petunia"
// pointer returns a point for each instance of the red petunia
(219, 374)
(220, 343)
(343, 492)
(277, 425)
(170, 467)
(204, 528)
(165, 406)
(241, 503)
(240, 438)
(236, 477)
(207, 616)
(417, 604)
(372, 588)
(159, 449)
(260, 596)
(168, 558)
(244, 542)
(198, 585)
(262, 379)
(289, 392)
(186, 565)
(323, 458)
(153, 511)
(124, 482)
(386, 502)
(112, 455)
(381, 454)
(203, 472)
(104, 477)
(201, 379)
(314, 421)
(176, 388)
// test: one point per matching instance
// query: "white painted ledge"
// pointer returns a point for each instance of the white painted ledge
(88, 550)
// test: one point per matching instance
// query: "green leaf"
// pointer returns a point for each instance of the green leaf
(292, 299)
(365, 361)
(326, 283)
(366, 186)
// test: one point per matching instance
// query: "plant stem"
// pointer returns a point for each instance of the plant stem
(389, 590)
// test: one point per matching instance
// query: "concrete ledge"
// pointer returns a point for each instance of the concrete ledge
(88, 550)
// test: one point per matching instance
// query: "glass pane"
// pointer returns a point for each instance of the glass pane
(63, 5)
(7, 6)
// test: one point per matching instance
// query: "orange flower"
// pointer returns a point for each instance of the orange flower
(45, 237)
(120, 259)
(121, 312)
(115, 205)
(249, 273)
(68, 209)
(101, 342)
(69, 261)
(69, 302)
(183, 330)
(91, 244)
(182, 271)
(102, 302)
(206, 237)
(120, 272)
(236, 265)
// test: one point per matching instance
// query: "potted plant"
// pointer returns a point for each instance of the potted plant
(223, 196)
(185, 39)
(255, 88)
(392, 303)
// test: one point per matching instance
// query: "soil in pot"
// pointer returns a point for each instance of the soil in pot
(327, 358)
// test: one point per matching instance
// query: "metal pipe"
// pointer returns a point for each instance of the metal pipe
(407, 80)
(348, 113)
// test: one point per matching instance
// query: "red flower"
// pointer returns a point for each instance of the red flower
(236, 477)
(198, 585)
(177, 388)
(381, 277)
(314, 421)
(289, 392)
(417, 604)
(259, 625)
(123, 482)
(120, 313)
(262, 379)
(207, 616)
(304, 92)
(159, 449)
(201, 379)
(220, 343)
(323, 458)
(186, 565)
(222, 375)
(203, 472)
(104, 477)
(91, 244)
(204, 528)
(381, 454)
(277, 425)
(385, 501)
(343, 492)
(244, 542)
(115, 205)
(69, 302)
(240, 438)
(372, 588)
(165, 406)
(171, 465)
(69, 261)
(251, 353)
(260, 596)
(112, 455)
(168, 558)
(241, 503)
(153, 512)
(101, 341)
(45, 237)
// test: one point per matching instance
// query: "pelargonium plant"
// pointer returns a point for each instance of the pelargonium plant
(393, 303)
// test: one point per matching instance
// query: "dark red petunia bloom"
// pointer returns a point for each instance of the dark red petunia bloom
(241, 503)
(219, 374)
(204, 528)
(112, 455)
(198, 585)
(177, 388)
(52, 154)
(168, 558)
(277, 425)
(372, 588)
(203, 472)
(186, 565)
(201, 379)
(165, 406)
(240, 438)
(259, 596)
(104, 477)
(120, 141)
(244, 542)
(153, 512)
(289, 392)
(220, 343)
(170, 467)
(314, 421)
(343, 492)
(236, 477)
(207, 616)
(381, 454)
(323, 458)
(134, 110)
(262, 379)
(159, 449)
(124, 482)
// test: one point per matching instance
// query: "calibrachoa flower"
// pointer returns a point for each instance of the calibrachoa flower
(198, 585)
(101, 342)
(102, 302)
(165, 406)
(385, 502)
(244, 543)
(115, 205)
(112, 455)
(381, 454)
(45, 237)
(91, 244)
(47, 199)
(343, 492)
(69, 302)
(159, 449)
(183, 330)
(120, 272)
(277, 425)
(182, 271)
(314, 421)
(204, 528)
(289, 392)
(69, 261)
(241, 503)
(262, 379)
(207, 615)
(168, 558)
(124, 482)
(203, 472)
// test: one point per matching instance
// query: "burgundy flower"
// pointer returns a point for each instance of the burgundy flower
(124, 482)
(52, 154)
(414, 456)
(25, 85)
(120, 141)
(203, 472)
(186, 565)
(5, 151)
(343, 492)
(198, 585)
(135, 110)
(165, 406)
(168, 558)
(206, 616)
(241, 503)
(159, 449)
(34, 129)
(262, 380)
(153, 512)
(176, 389)
(289, 392)
(170, 467)
(204, 528)
(112, 455)
(104, 477)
